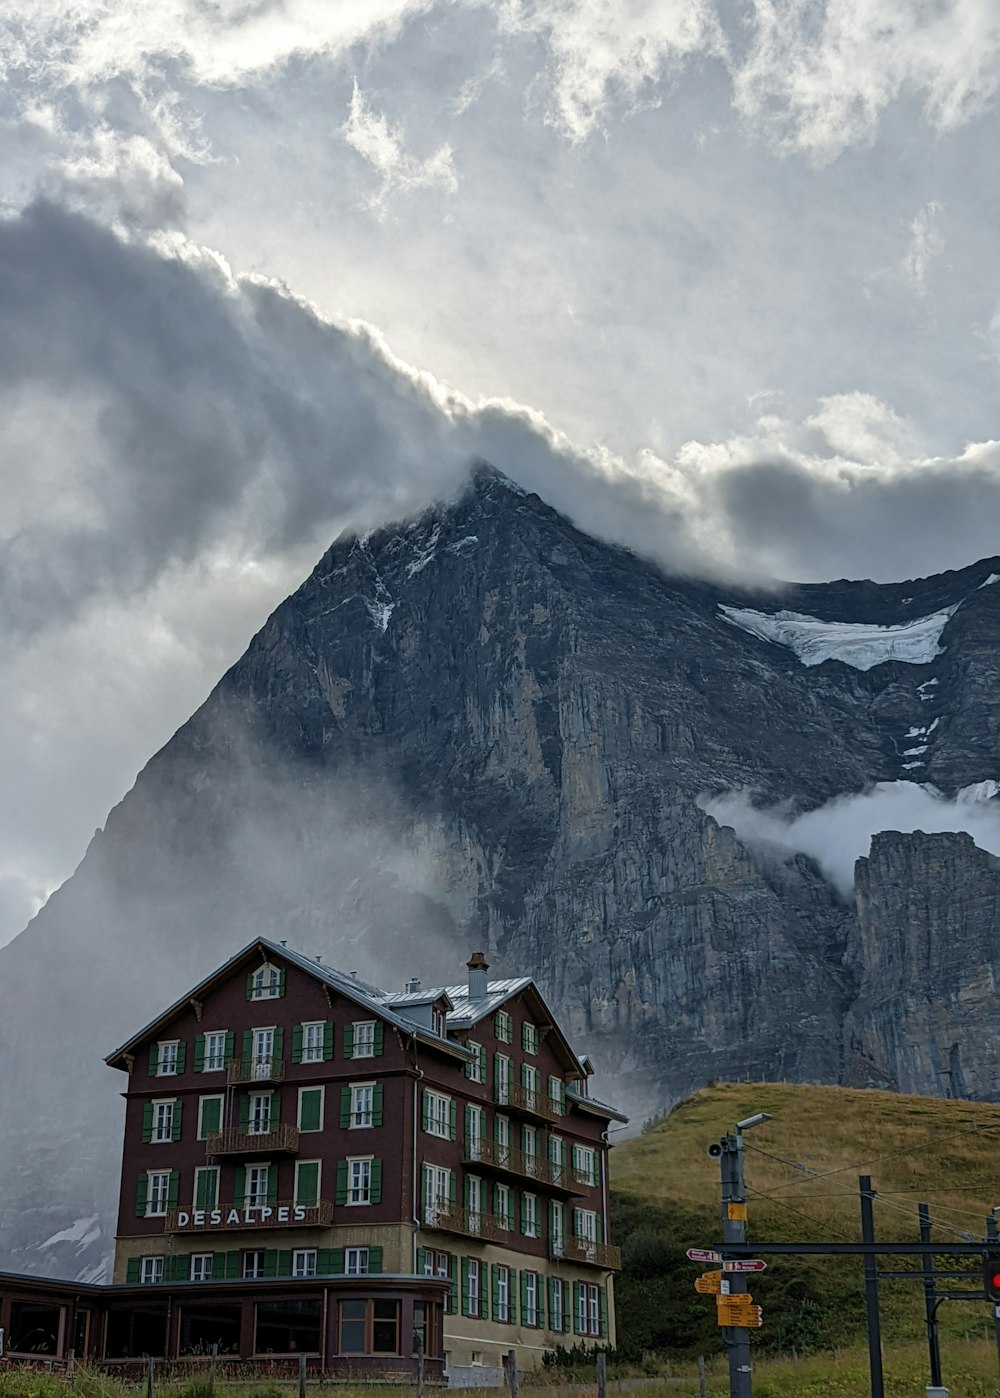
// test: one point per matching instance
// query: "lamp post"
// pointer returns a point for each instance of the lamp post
(734, 1214)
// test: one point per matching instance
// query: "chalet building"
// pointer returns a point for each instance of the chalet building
(315, 1166)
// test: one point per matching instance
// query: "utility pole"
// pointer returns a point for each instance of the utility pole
(930, 1299)
(871, 1287)
(734, 1230)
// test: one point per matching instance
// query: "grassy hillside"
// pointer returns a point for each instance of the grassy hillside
(665, 1193)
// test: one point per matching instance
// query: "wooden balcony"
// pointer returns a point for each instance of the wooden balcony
(256, 1070)
(284, 1214)
(280, 1140)
(509, 1160)
(519, 1099)
(592, 1254)
(449, 1218)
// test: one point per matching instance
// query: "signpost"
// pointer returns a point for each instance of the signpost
(709, 1283)
(737, 1311)
(745, 1264)
(703, 1255)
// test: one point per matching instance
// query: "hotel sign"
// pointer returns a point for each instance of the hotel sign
(251, 1216)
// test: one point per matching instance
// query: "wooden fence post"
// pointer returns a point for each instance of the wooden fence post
(702, 1386)
(302, 1376)
(602, 1375)
(512, 1377)
(149, 1376)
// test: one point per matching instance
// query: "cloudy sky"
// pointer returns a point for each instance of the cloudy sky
(721, 280)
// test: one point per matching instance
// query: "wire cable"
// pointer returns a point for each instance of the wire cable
(816, 1223)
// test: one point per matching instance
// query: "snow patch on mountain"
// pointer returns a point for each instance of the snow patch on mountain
(859, 644)
(84, 1231)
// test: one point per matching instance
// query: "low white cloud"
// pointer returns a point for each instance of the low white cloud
(381, 143)
(838, 833)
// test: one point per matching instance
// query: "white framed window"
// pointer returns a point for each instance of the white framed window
(557, 1240)
(529, 1037)
(201, 1266)
(310, 1111)
(474, 1196)
(163, 1120)
(364, 1039)
(557, 1095)
(529, 1215)
(437, 1114)
(356, 1262)
(501, 1078)
(257, 1177)
(259, 1115)
(529, 1145)
(206, 1187)
(304, 1262)
(308, 1174)
(166, 1058)
(530, 1083)
(501, 1130)
(312, 1040)
(215, 1051)
(266, 983)
(438, 1022)
(585, 1165)
(585, 1228)
(593, 1309)
(362, 1105)
(437, 1199)
(473, 1286)
(359, 1180)
(253, 1263)
(209, 1115)
(503, 1206)
(158, 1192)
(530, 1316)
(476, 1070)
(503, 1027)
(503, 1294)
(150, 1270)
(262, 1046)
(557, 1316)
(475, 1131)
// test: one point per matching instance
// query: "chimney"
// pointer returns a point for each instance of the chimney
(413, 986)
(478, 989)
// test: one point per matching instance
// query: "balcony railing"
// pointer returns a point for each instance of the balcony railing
(236, 1141)
(449, 1218)
(517, 1162)
(522, 1099)
(284, 1214)
(256, 1070)
(593, 1254)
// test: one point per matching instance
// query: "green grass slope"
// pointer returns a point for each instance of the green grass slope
(801, 1173)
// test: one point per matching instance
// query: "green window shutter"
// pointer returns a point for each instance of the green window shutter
(540, 1291)
(511, 1209)
(337, 1261)
(512, 1293)
(271, 1262)
(181, 1056)
(496, 1075)
(233, 1263)
(240, 1187)
(522, 1211)
(578, 1293)
(205, 1192)
(599, 1229)
(603, 1302)
(348, 1040)
(421, 1261)
(218, 1265)
(496, 1199)
(154, 1060)
(173, 1188)
(279, 1043)
(425, 1185)
(524, 1296)
(466, 1191)
(275, 1117)
(249, 985)
(495, 1279)
(374, 1259)
(247, 1044)
(211, 1115)
(310, 1100)
(377, 1095)
(481, 1051)
(141, 1194)
(281, 982)
(327, 1041)
(451, 1188)
(552, 1220)
(307, 1184)
(341, 1197)
(285, 1262)
(199, 1053)
(425, 1115)
(375, 1195)
(230, 1046)
(466, 1308)
(451, 1119)
(453, 1289)
(147, 1122)
(526, 1048)
(468, 1127)
(175, 1120)
(379, 1038)
(244, 1111)
(345, 1107)
(132, 1271)
(297, 1044)
(272, 1185)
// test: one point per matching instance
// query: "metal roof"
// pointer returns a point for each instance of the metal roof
(468, 1011)
(573, 1094)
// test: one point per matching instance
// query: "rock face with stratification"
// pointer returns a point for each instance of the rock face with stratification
(485, 729)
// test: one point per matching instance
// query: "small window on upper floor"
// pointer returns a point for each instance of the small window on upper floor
(503, 1026)
(529, 1037)
(266, 983)
(166, 1058)
(438, 1022)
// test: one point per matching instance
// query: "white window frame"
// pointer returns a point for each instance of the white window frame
(438, 1115)
(202, 1266)
(504, 1027)
(585, 1164)
(262, 1052)
(363, 1046)
(362, 1118)
(557, 1098)
(557, 1240)
(200, 1170)
(213, 1097)
(531, 1231)
(557, 1316)
(157, 1184)
(319, 1179)
(530, 1316)
(150, 1270)
(531, 1081)
(475, 1197)
(504, 1210)
(257, 1271)
(215, 1062)
(304, 1262)
(474, 1296)
(503, 1294)
(359, 1179)
(581, 1309)
(256, 1196)
(438, 1196)
(530, 1031)
(163, 1120)
(313, 1052)
(259, 1120)
(166, 1067)
(321, 1089)
(476, 1070)
(593, 1308)
(438, 1021)
(356, 1262)
(503, 1079)
(266, 983)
